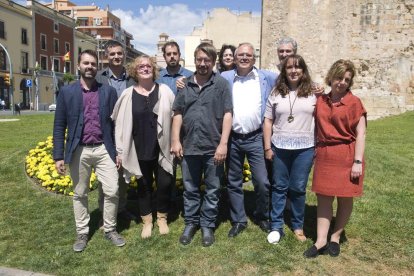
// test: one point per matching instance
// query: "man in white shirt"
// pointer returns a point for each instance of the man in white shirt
(250, 88)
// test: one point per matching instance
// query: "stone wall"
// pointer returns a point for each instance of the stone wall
(377, 35)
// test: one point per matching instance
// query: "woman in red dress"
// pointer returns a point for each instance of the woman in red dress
(339, 165)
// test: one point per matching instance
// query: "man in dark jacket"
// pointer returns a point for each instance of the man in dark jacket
(84, 109)
(116, 76)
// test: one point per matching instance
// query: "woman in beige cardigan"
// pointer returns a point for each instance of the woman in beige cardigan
(142, 118)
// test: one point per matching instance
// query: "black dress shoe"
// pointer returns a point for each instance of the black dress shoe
(207, 235)
(334, 249)
(264, 225)
(314, 252)
(236, 229)
(188, 234)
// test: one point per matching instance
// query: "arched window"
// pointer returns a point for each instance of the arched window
(3, 60)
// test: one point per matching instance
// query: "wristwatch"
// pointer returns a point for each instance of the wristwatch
(356, 161)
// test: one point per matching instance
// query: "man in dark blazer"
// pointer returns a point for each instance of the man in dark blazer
(116, 76)
(84, 109)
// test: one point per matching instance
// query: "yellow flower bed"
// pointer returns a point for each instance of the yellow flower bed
(40, 166)
(247, 175)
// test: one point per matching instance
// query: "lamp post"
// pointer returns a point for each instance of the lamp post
(98, 39)
(36, 75)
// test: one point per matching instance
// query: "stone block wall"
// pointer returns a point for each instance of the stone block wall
(377, 35)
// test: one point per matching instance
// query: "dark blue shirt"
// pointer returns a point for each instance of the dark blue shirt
(169, 80)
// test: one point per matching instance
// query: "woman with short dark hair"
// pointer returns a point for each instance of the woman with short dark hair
(226, 58)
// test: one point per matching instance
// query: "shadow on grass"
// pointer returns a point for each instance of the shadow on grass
(177, 211)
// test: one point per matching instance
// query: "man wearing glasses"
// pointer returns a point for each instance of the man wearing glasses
(250, 90)
(203, 111)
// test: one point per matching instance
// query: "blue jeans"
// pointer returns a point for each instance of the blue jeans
(197, 212)
(290, 173)
(239, 148)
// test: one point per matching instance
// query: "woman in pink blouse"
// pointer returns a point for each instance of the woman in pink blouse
(289, 142)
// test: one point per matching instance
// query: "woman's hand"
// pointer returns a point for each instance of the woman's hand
(356, 171)
(118, 162)
(176, 150)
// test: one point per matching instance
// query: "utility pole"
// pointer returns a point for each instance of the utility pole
(11, 78)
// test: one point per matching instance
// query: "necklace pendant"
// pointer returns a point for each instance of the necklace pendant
(290, 118)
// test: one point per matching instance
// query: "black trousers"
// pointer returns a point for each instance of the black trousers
(163, 182)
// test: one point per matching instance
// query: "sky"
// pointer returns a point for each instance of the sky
(146, 20)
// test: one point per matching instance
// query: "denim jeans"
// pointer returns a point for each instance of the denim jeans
(196, 211)
(239, 148)
(290, 173)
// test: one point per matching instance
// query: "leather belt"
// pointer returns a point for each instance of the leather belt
(90, 144)
(247, 135)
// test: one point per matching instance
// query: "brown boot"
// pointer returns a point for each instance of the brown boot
(162, 223)
(146, 226)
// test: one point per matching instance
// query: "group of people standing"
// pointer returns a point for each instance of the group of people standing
(139, 121)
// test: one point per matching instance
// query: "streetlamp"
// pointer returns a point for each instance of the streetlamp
(98, 39)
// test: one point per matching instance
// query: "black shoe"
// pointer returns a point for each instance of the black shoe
(264, 225)
(188, 234)
(236, 229)
(334, 249)
(313, 252)
(207, 235)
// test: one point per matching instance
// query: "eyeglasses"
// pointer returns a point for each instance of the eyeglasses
(245, 56)
(142, 67)
(200, 60)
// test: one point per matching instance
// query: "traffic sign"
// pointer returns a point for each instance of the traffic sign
(29, 83)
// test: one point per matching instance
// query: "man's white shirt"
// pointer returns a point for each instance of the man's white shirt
(247, 103)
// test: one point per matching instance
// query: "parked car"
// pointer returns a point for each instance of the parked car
(52, 107)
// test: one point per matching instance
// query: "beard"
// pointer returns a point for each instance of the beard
(90, 74)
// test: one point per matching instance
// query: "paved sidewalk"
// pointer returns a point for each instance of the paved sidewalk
(23, 112)
(5, 271)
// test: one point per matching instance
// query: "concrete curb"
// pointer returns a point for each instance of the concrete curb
(6, 271)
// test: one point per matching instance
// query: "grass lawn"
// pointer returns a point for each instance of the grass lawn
(37, 228)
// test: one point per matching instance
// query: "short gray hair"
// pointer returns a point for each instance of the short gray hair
(248, 44)
(287, 40)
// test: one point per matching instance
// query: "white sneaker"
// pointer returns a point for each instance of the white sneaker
(273, 237)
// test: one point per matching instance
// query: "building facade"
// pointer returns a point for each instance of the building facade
(377, 35)
(53, 35)
(98, 23)
(223, 26)
(16, 37)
